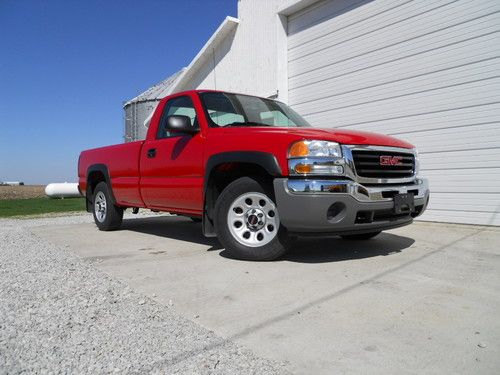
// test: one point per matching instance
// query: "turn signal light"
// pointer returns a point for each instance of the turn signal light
(299, 149)
(303, 168)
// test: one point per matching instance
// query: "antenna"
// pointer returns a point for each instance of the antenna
(215, 76)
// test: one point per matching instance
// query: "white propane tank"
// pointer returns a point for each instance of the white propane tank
(62, 190)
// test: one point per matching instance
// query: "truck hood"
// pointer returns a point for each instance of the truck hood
(349, 137)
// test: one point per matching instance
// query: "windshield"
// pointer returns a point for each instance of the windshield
(226, 109)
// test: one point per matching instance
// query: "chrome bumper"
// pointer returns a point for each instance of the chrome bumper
(344, 206)
(361, 193)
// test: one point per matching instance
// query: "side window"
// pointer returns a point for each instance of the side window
(182, 105)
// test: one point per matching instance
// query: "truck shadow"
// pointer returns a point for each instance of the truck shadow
(335, 249)
(173, 227)
(304, 250)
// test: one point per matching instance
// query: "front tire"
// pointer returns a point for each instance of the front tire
(107, 216)
(360, 237)
(247, 221)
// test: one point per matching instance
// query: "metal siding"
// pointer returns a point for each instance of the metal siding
(138, 109)
(135, 115)
(245, 61)
(426, 72)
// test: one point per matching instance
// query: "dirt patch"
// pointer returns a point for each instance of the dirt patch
(22, 192)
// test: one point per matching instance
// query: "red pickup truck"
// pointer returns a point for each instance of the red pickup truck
(256, 174)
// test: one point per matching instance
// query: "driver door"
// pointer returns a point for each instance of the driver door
(172, 164)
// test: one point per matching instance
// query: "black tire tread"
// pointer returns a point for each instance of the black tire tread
(273, 250)
(114, 214)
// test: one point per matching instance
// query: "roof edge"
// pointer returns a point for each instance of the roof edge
(138, 99)
(289, 9)
(229, 24)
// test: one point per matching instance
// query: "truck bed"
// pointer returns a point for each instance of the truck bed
(122, 161)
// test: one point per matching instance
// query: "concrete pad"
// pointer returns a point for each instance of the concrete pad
(423, 298)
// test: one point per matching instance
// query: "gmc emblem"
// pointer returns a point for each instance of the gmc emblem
(391, 160)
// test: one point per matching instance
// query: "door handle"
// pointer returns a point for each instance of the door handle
(151, 153)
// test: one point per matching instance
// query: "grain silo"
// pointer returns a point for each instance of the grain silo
(139, 109)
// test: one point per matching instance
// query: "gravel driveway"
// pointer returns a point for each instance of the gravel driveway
(59, 314)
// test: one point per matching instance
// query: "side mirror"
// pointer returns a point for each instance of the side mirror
(181, 124)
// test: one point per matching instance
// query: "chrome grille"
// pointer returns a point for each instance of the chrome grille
(368, 164)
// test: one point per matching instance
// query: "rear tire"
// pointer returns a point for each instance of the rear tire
(361, 236)
(247, 221)
(107, 216)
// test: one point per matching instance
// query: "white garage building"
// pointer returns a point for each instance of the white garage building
(424, 71)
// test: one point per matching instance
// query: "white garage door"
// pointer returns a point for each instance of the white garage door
(424, 71)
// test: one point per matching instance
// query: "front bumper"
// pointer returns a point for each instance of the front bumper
(310, 206)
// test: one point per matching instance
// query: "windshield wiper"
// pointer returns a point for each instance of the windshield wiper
(247, 123)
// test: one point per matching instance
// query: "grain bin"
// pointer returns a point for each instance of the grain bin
(139, 109)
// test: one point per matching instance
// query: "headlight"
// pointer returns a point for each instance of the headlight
(314, 149)
(315, 158)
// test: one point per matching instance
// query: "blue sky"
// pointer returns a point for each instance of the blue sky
(67, 66)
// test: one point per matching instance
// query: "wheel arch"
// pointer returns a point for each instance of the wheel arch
(97, 173)
(223, 168)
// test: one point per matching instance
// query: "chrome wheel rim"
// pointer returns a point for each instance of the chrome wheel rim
(100, 206)
(253, 219)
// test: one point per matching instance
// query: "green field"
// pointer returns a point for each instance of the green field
(39, 206)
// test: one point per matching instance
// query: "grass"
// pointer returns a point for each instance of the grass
(39, 206)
